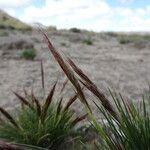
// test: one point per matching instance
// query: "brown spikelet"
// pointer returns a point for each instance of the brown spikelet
(93, 88)
(69, 73)
(79, 71)
(78, 119)
(9, 117)
(23, 100)
(105, 102)
(71, 100)
(47, 102)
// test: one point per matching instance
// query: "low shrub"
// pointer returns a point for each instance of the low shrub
(88, 41)
(4, 33)
(6, 27)
(112, 34)
(63, 44)
(132, 38)
(75, 30)
(29, 54)
(124, 40)
(51, 28)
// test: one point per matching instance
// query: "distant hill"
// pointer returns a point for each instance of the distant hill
(7, 21)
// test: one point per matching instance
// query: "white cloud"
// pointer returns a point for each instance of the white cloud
(12, 3)
(67, 10)
(89, 14)
(126, 1)
(80, 9)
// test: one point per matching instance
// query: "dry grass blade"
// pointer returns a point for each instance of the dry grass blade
(9, 117)
(37, 104)
(47, 102)
(69, 73)
(50, 95)
(64, 85)
(25, 92)
(71, 100)
(59, 106)
(7, 146)
(1, 120)
(78, 119)
(42, 75)
(23, 100)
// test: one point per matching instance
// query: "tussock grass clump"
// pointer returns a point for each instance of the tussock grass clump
(40, 124)
(131, 131)
(29, 54)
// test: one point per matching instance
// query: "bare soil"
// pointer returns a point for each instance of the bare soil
(125, 67)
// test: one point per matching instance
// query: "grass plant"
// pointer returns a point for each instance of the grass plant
(40, 123)
(88, 41)
(29, 54)
(132, 130)
(75, 30)
(127, 127)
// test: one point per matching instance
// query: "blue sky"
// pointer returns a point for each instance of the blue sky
(96, 15)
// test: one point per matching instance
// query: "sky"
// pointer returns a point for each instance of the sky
(95, 15)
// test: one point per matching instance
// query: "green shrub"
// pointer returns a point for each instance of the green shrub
(63, 44)
(124, 40)
(29, 54)
(51, 28)
(4, 33)
(112, 34)
(75, 30)
(88, 41)
(132, 38)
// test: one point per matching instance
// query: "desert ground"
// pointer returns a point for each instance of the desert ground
(110, 63)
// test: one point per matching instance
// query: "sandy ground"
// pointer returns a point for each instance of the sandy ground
(107, 62)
